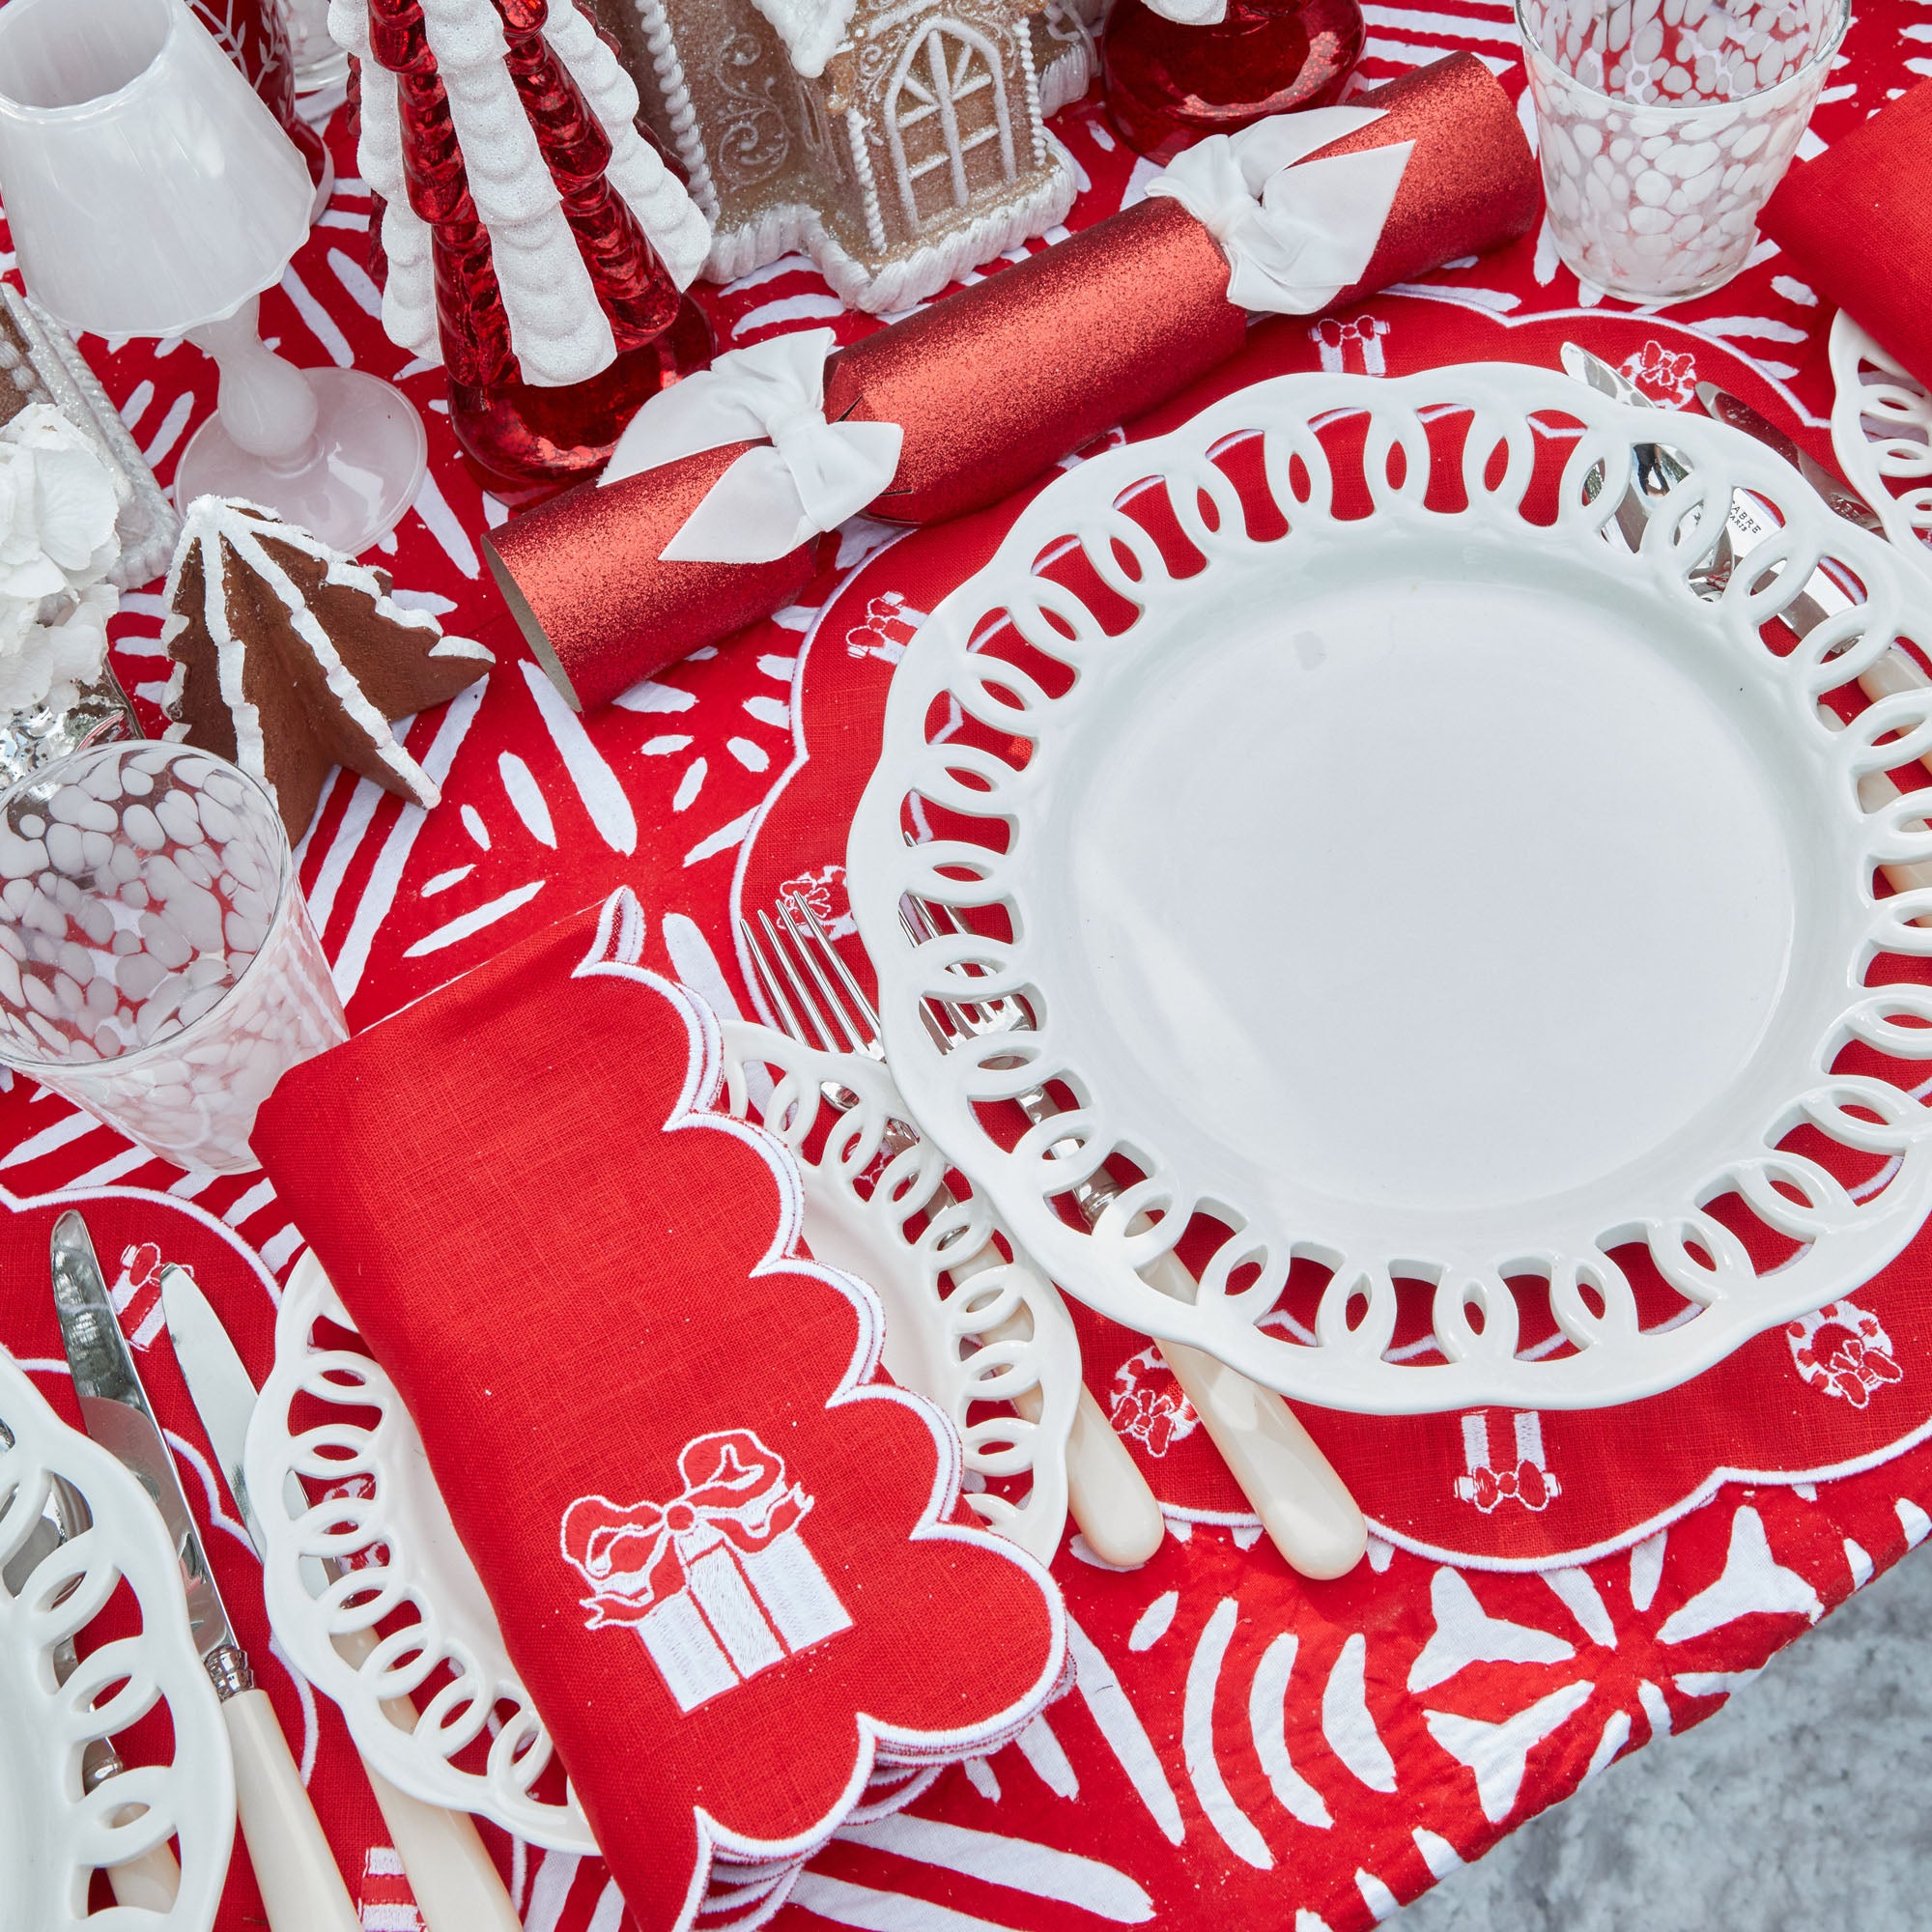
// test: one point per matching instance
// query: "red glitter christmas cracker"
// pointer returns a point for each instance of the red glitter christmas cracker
(996, 384)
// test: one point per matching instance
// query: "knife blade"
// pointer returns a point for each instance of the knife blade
(218, 1383)
(454, 1880)
(301, 1889)
(1838, 495)
(115, 1410)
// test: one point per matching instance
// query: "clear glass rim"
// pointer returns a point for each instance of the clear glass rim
(285, 900)
(1840, 23)
(100, 103)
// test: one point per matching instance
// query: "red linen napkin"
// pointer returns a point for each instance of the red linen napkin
(1858, 224)
(720, 1553)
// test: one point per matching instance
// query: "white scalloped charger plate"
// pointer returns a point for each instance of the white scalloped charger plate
(1441, 897)
(53, 1836)
(384, 1518)
(1881, 433)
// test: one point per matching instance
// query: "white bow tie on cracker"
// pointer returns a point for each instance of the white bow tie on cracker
(810, 476)
(1295, 231)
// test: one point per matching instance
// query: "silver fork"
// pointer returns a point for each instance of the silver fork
(821, 1003)
(1303, 1504)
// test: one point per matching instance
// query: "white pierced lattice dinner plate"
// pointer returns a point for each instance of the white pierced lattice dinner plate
(53, 1836)
(1440, 894)
(1881, 433)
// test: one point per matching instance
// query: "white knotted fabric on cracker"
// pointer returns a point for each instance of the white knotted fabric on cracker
(808, 476)
(1295, 231)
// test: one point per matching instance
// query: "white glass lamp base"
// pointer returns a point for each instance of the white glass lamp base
(351, 487)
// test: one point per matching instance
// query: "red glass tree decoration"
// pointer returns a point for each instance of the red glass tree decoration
(536, 244)
(1169, 83)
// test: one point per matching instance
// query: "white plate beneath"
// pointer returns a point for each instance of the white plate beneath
(52, 1838)
(383, 1516)
(1881, 433)
(1444, 898)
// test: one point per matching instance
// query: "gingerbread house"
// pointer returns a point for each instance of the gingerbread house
(899, 143)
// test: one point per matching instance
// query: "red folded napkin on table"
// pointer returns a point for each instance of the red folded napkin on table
(1857, 223)
(724, 1559)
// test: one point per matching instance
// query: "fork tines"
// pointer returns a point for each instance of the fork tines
(815, 993)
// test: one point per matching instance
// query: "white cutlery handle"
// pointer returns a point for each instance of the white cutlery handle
(301, 1890)
(149, 1883)
(1106, 1493)
(1304, 1506)
(455, 1881)
(456, 1884)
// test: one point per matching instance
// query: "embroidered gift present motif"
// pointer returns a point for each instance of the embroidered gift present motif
(717, 1582)
(1527, 1481)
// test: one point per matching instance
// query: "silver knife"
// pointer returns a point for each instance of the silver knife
(455, 1882)
(1839, 497)
(301, 1890)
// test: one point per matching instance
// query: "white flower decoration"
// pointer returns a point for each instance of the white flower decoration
(58, 505)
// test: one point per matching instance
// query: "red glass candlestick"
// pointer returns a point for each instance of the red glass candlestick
(1168, 85)
(523, 443)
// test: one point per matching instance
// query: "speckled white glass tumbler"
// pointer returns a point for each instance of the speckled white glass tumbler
(156, 961)
(1662, 125)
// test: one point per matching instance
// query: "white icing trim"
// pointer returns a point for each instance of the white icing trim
(1067, 76)
(673, 221)
(811, 29)
(890, 286)
(211, 523)
(675, 93)
(557, 327)
(861, 166)
(409, 295)
(1022, 33)
(558, 330)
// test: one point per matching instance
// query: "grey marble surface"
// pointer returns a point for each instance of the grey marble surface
(1802, 1804)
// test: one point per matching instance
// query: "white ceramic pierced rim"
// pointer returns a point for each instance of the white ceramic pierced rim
(384, 1520)
(1882, 434)
(1603, 1351)
(53, 1838)
(872, 1206)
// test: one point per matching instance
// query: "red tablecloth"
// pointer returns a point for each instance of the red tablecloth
(1240, 1749)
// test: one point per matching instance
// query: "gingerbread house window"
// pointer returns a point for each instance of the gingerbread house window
(947, 102)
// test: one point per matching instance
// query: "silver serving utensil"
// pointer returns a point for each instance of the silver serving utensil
(1838, 495)
(300, 1886)
(820, 1004)
(456, 1884)
(150, 1882)
(1304, 1505)
(1655, 471)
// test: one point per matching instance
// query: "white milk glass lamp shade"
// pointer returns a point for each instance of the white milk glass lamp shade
(149, 189)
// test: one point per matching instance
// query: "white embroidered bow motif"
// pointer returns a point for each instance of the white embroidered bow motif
(810, 476)
(1295, 231)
